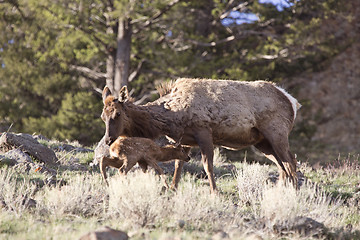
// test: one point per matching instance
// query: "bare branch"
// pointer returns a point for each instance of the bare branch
(135, 73)
(240, 7)
(17, 6)
(184, 44)
(89, 72)
(247, 33)
(144, 98)
(150, 20)
(282, 54)
(212, 44)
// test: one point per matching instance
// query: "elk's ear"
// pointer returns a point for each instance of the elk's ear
(123, 94)
(106, 92)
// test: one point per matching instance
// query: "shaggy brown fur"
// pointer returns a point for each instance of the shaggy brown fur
(125, 152)
(204, 113)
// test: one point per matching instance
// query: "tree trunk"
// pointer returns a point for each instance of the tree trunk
(122, 60)
(110, 70)
(110, 60)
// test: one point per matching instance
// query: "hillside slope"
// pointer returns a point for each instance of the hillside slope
(331, 96)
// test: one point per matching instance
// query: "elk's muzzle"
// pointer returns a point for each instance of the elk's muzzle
(109, 140)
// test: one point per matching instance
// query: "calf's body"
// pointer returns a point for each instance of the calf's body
(126, 152)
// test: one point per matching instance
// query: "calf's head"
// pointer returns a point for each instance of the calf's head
(179, 152)
(113, 114)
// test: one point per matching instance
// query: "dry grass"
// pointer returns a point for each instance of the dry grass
(15, 191)
(282, 204)
(137, 198)
(82, 195)
(219, 159)
(140, 199)
(251, 181)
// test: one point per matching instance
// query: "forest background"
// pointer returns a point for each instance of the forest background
(56, 57)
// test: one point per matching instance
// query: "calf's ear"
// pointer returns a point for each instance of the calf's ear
(123, 94)
(106, 92)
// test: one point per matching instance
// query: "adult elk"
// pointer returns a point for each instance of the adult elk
(204, 113)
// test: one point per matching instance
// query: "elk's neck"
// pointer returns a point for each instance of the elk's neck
(147, 121)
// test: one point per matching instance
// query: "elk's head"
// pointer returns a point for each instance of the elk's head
(113, 113)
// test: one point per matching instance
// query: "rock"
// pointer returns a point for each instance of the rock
(105, 233)
(303, 226)
(181, 223)
(220, 235)
(7, 161)
(16, 157)
(102, 149)
(236, 233)
(29, 145)
(23, 161)
(308, 227)
(253, 236)
(19, 156)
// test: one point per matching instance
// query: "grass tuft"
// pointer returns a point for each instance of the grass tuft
(15, 193)
(83, 195)
(251, 181)
(137, 198)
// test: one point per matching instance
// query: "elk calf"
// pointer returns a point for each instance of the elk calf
(125, 152)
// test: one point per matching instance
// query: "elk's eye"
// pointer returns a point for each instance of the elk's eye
(117, 114)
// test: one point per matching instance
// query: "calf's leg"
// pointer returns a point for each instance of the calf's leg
(178, 168)
(177, 173)
(104, 162)
(127, 165)
(143, 165)
(158, 170)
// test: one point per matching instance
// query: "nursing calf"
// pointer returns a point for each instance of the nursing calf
(125, 152)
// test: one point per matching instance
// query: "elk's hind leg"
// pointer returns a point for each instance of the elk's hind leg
(127, 165)
(204, 139)
(276, 148)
